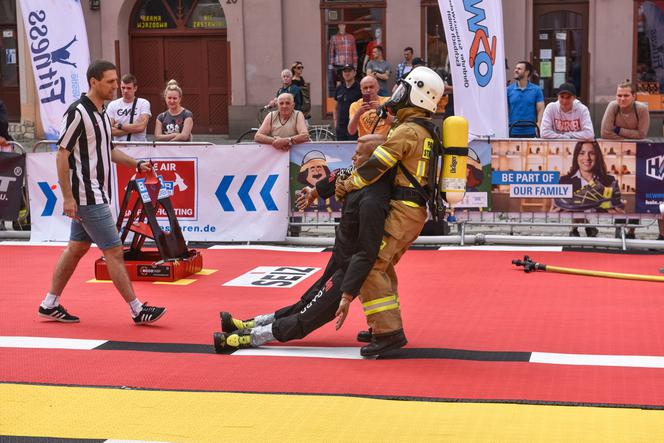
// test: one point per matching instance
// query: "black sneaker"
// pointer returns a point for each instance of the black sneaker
(574, 233)
(149, 314)
(231, 324)
(226, 343)
(58, 313)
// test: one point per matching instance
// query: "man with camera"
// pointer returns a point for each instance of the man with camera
(363, 116)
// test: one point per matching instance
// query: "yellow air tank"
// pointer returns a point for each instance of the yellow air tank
(455, 154)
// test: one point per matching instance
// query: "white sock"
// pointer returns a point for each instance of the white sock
(51, 301)
(135, 307)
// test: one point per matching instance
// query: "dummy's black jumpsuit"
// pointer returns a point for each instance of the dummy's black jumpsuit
(356, 246)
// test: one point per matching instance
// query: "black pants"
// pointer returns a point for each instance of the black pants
(316, 307)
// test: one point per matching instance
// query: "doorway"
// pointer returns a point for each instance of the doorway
(183, 40)
(560, 46)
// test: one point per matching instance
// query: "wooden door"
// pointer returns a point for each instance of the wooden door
(199, 64)
(560, 46)
(9, 83)
(147, 64)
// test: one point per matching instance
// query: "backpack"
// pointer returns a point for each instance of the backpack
(431, 192)
(306, 99)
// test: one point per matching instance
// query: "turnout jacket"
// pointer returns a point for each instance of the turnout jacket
(360, 231)
(409, 144)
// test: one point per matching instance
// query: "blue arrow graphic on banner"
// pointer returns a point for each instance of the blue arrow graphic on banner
(50, 199)
(249, 181)
(265, 192)
(222, 191)
(243, 193)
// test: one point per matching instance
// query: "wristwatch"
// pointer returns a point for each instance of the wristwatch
(119, 126)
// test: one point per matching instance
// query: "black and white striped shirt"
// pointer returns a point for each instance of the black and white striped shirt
(86, 134)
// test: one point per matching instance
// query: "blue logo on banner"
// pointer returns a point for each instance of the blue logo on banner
(243, 193)
(525, 177)
(51, 198)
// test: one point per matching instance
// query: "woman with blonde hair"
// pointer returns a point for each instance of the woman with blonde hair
(176, 123)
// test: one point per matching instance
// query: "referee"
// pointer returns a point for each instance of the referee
(84, 161)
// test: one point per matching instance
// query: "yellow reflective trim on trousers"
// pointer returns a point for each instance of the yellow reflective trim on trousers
(378, 301)
(381, 309)
(385, 157)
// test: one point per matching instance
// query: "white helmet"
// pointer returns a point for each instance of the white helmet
(426, 88)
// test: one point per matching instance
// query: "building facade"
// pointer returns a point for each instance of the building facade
(228, 54)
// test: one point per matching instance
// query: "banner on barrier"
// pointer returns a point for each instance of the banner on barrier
(58, 50)
(12, 170)
(535, 175)
(312, 163)
(219, 194)
(649, 177)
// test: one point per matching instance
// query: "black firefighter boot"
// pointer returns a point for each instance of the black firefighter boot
(364, 336)
(383, 343)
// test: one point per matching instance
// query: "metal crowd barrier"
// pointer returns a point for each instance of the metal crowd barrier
(51, 145)
(7, 229)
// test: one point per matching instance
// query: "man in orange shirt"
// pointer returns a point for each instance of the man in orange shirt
(363, 112)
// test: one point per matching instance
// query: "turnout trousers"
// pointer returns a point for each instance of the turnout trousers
(379, 294)
(316, 307)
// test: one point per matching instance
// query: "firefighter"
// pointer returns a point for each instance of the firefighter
(356, 245)
(408, 147)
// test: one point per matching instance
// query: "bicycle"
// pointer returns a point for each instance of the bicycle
(317, 133)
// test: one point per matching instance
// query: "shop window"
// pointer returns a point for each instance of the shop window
(650, 53)
(435, 45)
(207, 15)
(8, 13)
(152, 14)
(363, 25)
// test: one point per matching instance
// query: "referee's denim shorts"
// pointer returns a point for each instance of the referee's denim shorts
(96, 226)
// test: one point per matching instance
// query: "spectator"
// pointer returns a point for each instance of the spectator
(380, 69)
(625, 117)
(176, 123)
(298, 78)
(592, 187)
(525, 102)
(284, 127)
(567, 117)
(4, 129)
(363, 114)
(129, 114)
(406, 65)
(288, 87)
(345, 94)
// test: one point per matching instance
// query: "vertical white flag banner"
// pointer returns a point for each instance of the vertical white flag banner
(58, 45)
(474, 32)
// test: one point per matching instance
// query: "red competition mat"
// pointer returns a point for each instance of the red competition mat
(478, 328)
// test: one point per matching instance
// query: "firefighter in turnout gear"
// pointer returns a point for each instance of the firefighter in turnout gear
(356, 244)
(408, 148)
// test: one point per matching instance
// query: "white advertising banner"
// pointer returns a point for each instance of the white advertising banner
(58, 46)
(474, 32)
(47, 223)
(224, 193)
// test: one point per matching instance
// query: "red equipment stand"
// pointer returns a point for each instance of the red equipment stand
(172, 260)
